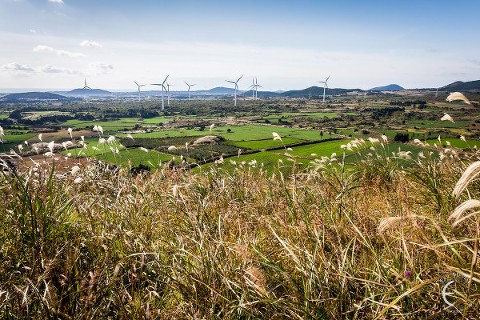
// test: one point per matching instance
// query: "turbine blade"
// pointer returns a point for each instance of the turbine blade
(327, 78)
(239, 78)
(165, 79)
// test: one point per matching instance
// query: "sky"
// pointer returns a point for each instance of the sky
(56, 44)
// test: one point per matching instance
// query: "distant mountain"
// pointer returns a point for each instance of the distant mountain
(315, 92)
(88, 93)
(260, 94)
(390, 87)
(221, 90)
(471, 86)
(32, 96)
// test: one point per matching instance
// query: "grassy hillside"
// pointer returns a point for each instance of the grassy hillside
(373, 241)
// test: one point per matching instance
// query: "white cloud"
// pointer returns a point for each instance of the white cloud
(46, 69)
(88, 43)
(56, 1)
(13, 66)
(52, 69)
(33, 31)
(63, 53)
(101, 68)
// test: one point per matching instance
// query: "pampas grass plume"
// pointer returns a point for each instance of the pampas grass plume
(457, 96)
(276, 136)
(457, 215)
(447, 117)
(470, 173)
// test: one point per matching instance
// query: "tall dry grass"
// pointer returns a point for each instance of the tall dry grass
(363, 242)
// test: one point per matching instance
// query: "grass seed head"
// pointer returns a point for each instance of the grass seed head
(458, 214)
(447, 117)
(387, 223)
(51, 145)
(457, 96)
(470, 173)
(74, 170)
(373, 140)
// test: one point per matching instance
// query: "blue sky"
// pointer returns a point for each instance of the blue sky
(55, 44)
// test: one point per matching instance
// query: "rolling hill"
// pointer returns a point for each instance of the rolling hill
(470, 86)
(315, 92)
(32, 97)
(88, 93)
(390, 87)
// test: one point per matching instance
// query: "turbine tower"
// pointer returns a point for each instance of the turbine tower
(162, 85)
(138, 87)
(236, 87)
(325, 86)
(189, 86)
(168, 93)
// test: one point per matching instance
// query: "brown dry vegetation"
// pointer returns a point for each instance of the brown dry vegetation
(174, 245)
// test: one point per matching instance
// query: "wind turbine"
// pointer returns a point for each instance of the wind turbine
(162, 85)
(325, 86)
(86, 87)
(255, 87)
(236, 87)
(138, 87)
(189, 86)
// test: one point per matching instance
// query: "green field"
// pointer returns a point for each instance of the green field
(265, 144)
(171, 133)
(17, 138)
(247, 133)
(136, 156)
(12, 139)
(300, 156)
(430, 124)
(455, 142)
(94, 148)
(321, 149)
(238, 133)
(39, 114)
(116, 125)
(156, 120)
